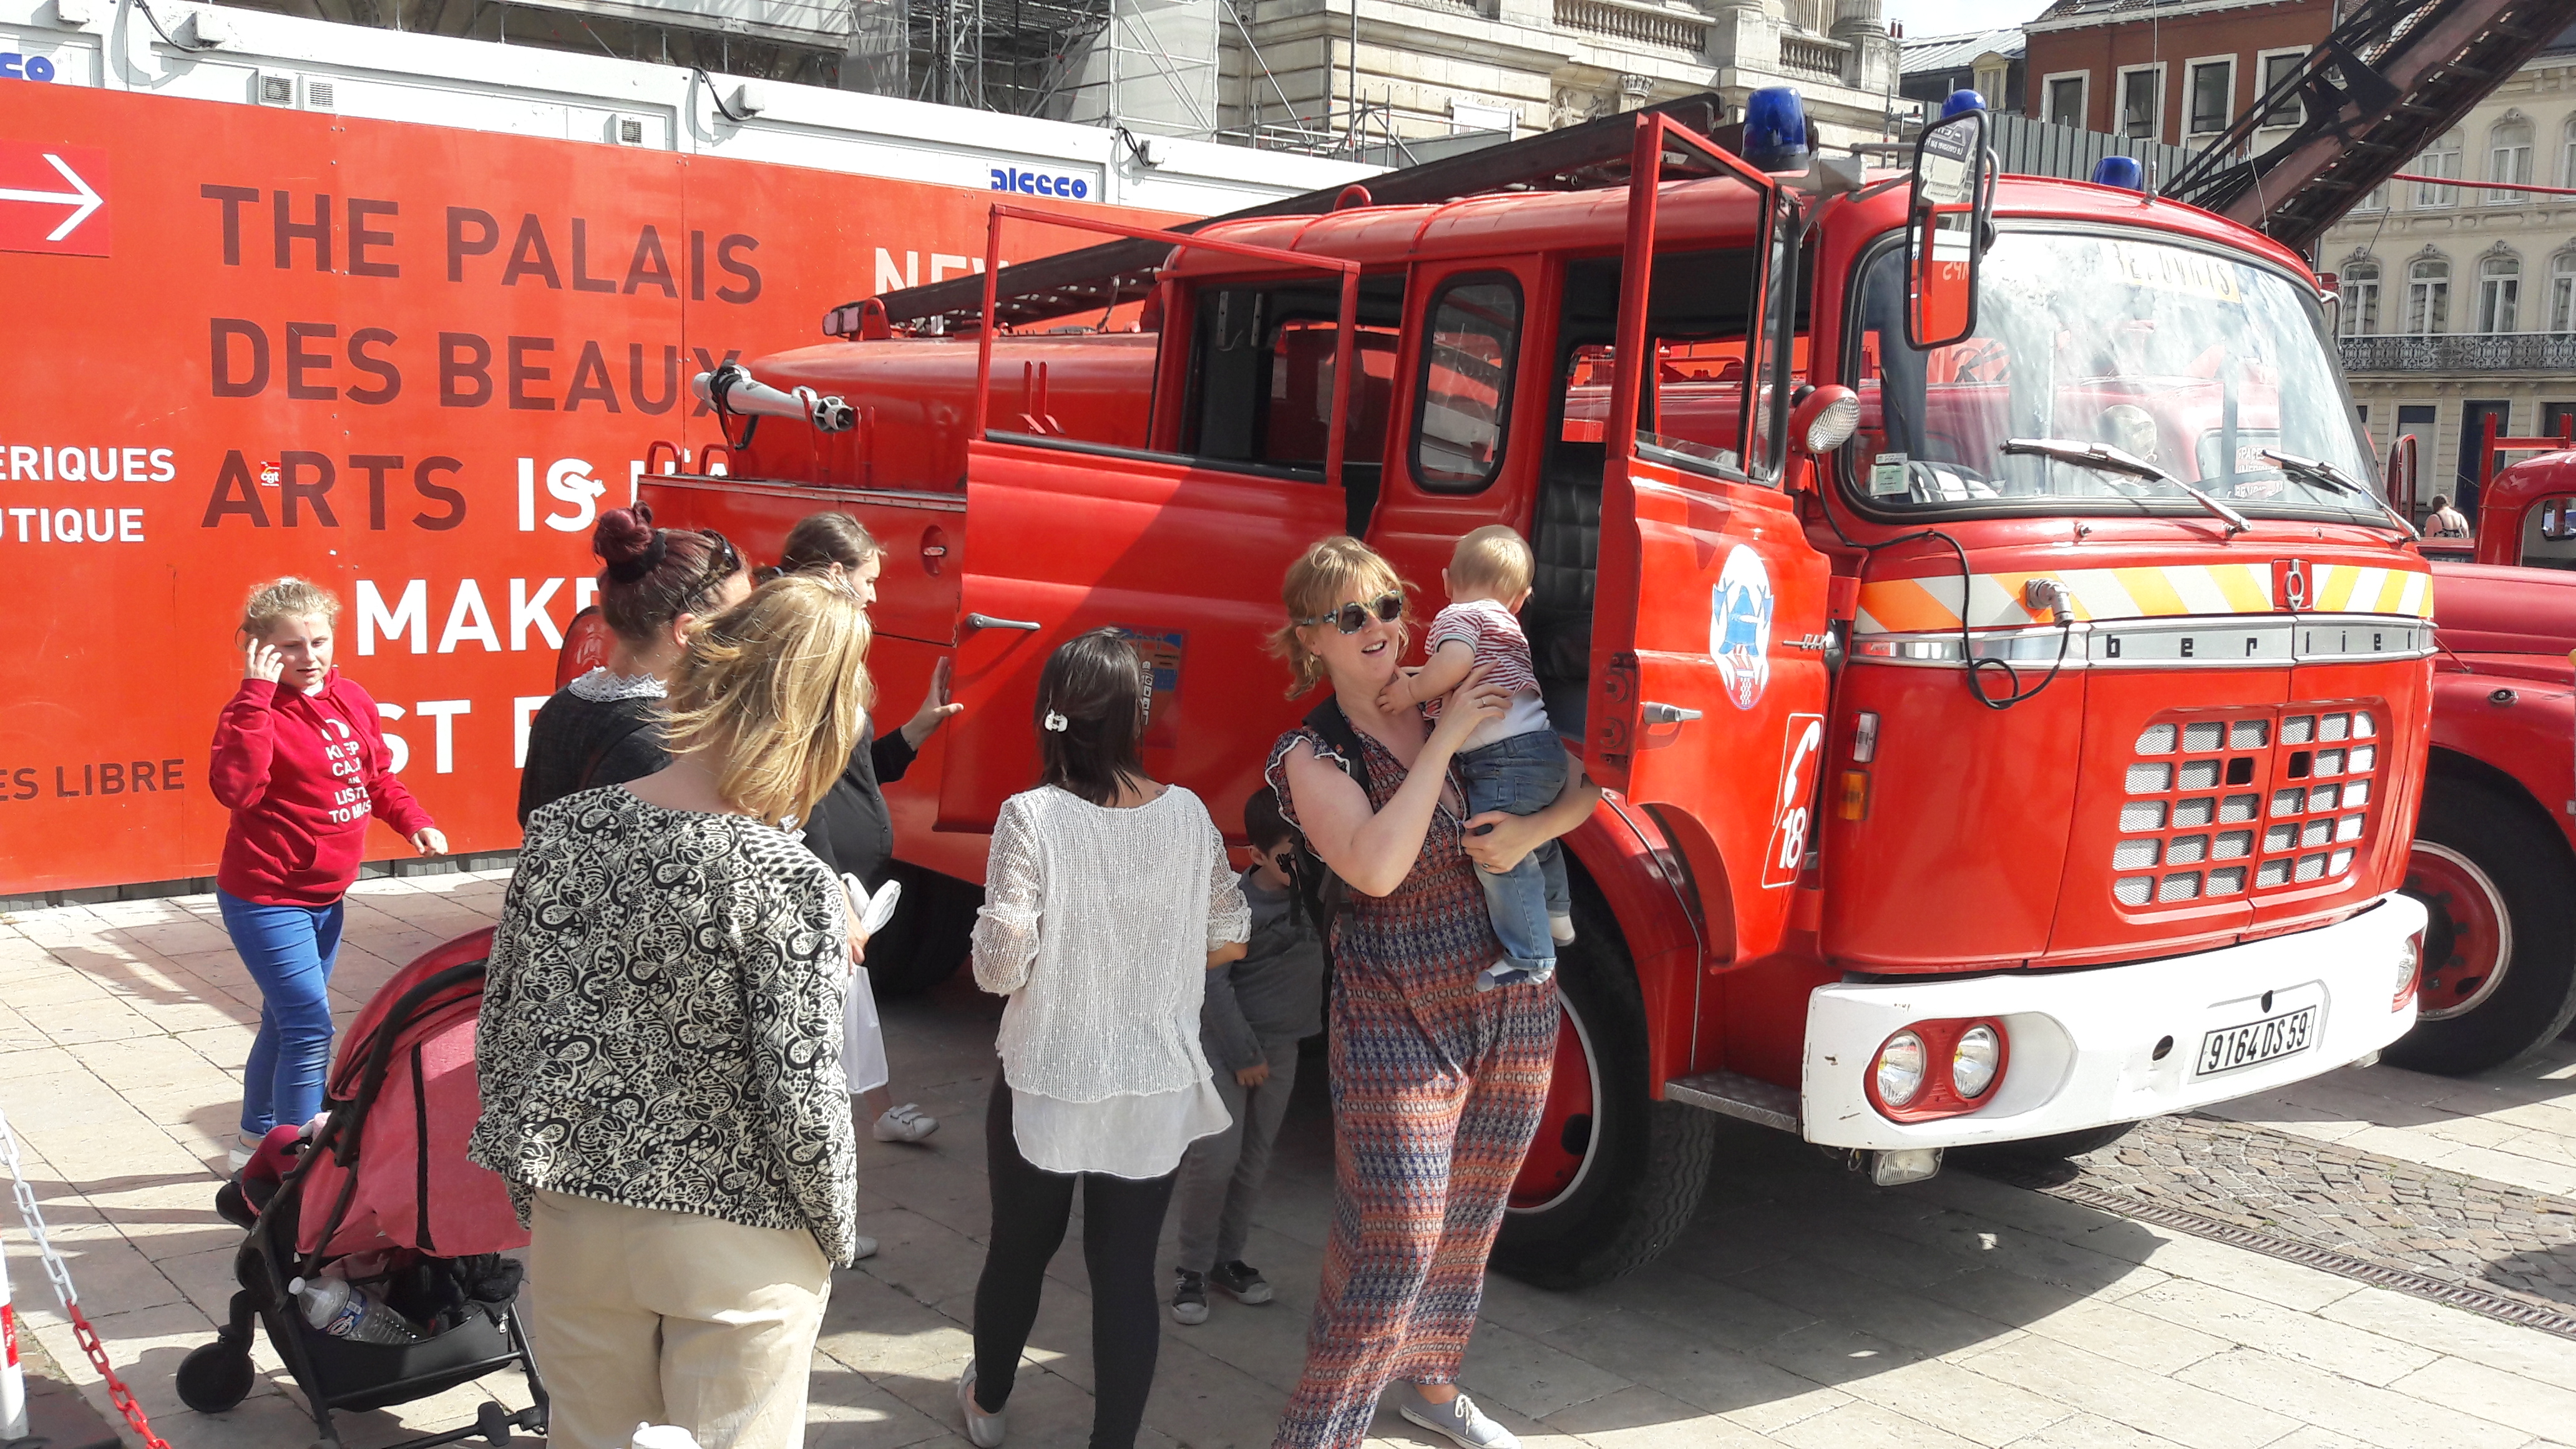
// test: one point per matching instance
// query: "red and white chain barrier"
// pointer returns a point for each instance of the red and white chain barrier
(61, 1278)
(13, 1382)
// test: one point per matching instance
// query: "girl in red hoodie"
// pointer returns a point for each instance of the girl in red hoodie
(302, 765)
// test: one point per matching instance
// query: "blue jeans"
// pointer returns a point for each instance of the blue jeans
(1521, 775)
(289, 950)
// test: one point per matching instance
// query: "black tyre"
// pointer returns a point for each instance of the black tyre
(214, 1377)
(929, 936)
(1613, 1176)
(2499, 974)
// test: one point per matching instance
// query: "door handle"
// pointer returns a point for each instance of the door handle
(1817, 643)
(1654, 713)
(987, 621)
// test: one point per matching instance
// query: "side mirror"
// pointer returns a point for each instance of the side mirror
(1945, 230)
(2558, 519)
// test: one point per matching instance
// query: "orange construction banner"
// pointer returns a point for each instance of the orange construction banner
(408, 362)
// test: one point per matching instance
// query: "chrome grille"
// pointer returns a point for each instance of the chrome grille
(2303, 820)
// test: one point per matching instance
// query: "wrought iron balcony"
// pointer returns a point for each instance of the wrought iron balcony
(2462, 352)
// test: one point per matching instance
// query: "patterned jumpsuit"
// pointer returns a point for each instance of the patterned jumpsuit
(1436, 1090)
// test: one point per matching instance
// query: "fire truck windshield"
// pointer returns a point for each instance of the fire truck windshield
(2189, 359)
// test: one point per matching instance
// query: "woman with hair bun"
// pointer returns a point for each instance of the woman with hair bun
(604, 728)
(301, 763)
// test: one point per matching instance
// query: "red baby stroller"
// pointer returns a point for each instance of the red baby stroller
(384, 1192)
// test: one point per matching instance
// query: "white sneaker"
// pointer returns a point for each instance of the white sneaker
(1561, 928)
(862, 1246)
(243, 1150)
(983, 1430)
(1459, 1419)
(907, 1123)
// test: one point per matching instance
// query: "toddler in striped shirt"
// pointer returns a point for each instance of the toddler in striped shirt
(1513, 763)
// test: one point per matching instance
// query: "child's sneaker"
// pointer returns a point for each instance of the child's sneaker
(1242, 1280)
(1508, 972)
(907, 1123)
(1561, 929)
(1189, 1297)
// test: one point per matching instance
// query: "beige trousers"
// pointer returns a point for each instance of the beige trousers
(639, 1316)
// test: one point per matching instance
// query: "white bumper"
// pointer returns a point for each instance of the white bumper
(2083, 1042)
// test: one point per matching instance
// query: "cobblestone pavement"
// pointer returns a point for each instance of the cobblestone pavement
(1803, 1308)
(2425, 1220)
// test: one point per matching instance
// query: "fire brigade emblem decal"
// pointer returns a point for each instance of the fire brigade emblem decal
(1739, 627)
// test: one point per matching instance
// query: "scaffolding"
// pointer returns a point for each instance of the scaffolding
(1147, 65)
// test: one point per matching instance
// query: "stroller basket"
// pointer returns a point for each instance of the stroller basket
(386, 1174)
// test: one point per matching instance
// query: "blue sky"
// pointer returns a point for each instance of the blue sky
(1949, 17)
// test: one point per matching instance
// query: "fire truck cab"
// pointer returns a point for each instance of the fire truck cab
(2012, 713)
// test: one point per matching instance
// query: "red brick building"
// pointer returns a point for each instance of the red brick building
(2177, 71)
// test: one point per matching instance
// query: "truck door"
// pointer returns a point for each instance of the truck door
(1183, 550)
(1707, 693)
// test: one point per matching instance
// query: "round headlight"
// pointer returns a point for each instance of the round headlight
(1834, 425)
(1973, 1063)
(1899, 1069)
(2409, 968)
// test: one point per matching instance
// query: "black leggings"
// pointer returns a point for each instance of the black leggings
(1122, 1221)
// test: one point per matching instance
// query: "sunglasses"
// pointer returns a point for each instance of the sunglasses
(1352, 618)
(723, 562)
(1285, 861)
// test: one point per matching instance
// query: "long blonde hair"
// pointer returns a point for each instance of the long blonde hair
(1330, 573)
(776, 688)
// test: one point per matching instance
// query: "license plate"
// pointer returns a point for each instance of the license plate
(2230, 1047)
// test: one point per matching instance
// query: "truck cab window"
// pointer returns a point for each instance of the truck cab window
(1463, 408)
(1261, 377)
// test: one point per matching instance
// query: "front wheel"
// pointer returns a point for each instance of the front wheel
(1612, 1176)
(2499, 974)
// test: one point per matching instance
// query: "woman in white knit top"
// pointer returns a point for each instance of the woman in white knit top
(1107, 897)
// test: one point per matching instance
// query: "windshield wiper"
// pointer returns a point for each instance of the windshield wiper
(2105, 458)
(2342, 482)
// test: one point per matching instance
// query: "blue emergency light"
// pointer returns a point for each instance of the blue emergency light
(2120, 171)
(1962, 100)
(1775, 129)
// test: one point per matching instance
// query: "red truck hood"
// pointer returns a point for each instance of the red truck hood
(2483, 609)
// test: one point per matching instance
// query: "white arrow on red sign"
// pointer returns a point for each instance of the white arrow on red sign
(80, 198)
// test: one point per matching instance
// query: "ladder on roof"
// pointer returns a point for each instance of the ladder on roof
(2388, 80)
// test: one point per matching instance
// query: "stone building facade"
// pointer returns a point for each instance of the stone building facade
(2460, 304)
(1427, 68)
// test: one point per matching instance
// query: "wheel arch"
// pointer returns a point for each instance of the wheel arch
(2450, 764)
(1646, 886)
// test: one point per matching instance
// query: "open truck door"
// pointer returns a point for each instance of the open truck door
(1183, 552)
(1708, 681)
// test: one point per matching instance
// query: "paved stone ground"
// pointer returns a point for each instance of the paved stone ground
(1803, 1308)
(2444, 1225)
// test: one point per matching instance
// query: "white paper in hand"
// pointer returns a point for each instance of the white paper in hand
(879, 908)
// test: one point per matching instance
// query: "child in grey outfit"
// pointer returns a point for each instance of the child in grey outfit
(1255, 1012)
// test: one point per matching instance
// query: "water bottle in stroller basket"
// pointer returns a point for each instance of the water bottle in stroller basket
(344, 1310)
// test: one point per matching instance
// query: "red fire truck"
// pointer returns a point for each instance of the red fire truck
(1970, 590)
(2495, 853)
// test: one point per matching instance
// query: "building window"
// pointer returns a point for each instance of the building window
(2562, 292)
(2428, 295)
(2442, 158)
(2212, 95)
(2567, 154)
(2142, 103)
(2279, 67)
(2360, 300)
(2509, 162)
(2376, 199)
(2066, 99)
(2499, 294)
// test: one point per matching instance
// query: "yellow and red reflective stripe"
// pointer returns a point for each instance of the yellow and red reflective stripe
(1904, 606)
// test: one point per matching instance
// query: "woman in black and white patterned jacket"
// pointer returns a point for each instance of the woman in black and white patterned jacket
(660, 1046)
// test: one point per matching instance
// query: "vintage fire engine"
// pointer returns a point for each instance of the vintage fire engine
(1971, 591)
(2495, 852)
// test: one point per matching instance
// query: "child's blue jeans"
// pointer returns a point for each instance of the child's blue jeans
(290, 951)
(1520, 775)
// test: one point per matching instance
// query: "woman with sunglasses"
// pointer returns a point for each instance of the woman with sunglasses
(1436, 1086)
(605, 727)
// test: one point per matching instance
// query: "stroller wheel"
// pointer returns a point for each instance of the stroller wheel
(214, 1377)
